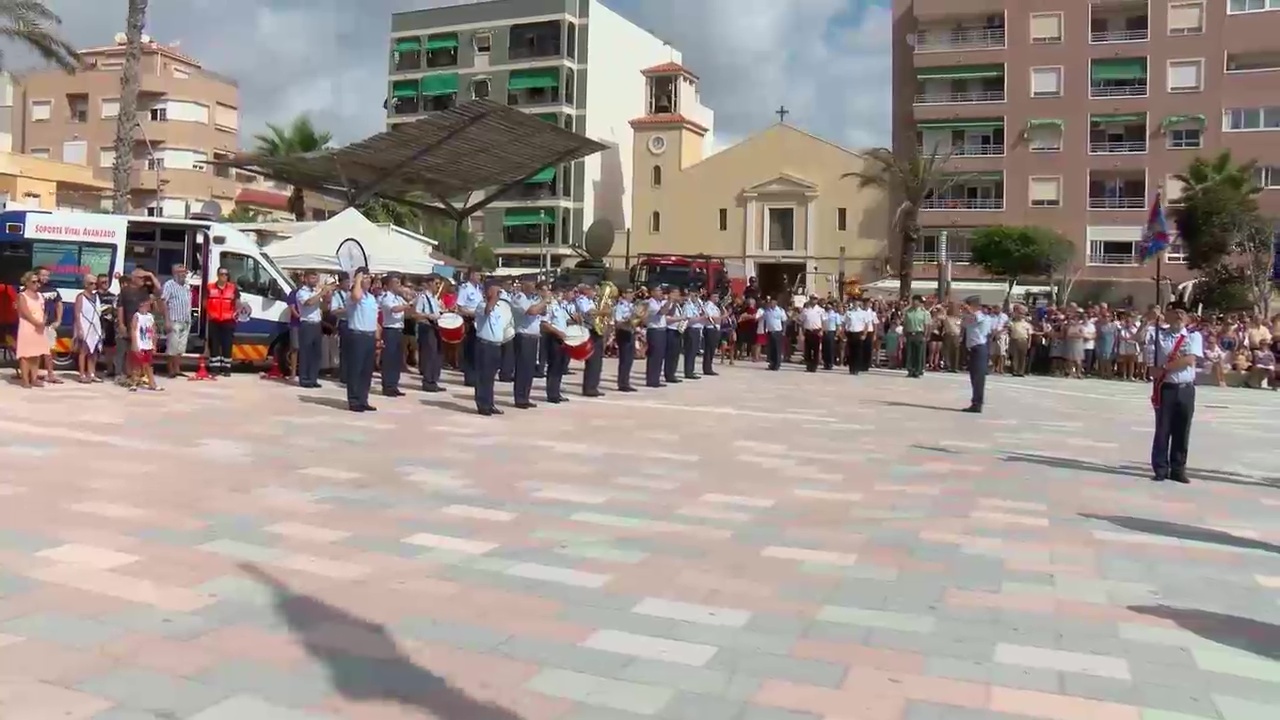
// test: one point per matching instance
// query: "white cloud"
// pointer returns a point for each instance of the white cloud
(826, 60)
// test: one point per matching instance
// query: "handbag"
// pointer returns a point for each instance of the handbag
(1158, 378)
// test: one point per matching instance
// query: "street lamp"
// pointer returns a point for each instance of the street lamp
(155, 165)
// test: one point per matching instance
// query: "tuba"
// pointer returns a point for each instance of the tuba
(606, 297)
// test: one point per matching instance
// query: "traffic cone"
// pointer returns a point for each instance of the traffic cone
(273, 372)
(202, 371)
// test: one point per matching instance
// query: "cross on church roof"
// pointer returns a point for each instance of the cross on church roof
(782, 113)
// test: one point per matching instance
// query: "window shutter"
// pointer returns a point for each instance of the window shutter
(1186, 16)
(1046, 26)
(1184, 75)
(1173, 189)
(110, 108)
(106, 157)
(1045, 81)
(41, 110)
(1046, 189)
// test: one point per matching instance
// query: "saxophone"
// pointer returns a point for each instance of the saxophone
(606, 298)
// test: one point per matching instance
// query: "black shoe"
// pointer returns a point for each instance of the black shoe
(525, 406)
(356, 408)
(392, 393)
(485, 413)
(654, 385)
(506, 379)
(593, 394)
(1158, 478)
(627, 389)
(975, 409)
(432, 388)
(714, 374)
(1180, 478)
(370, 408)
(692, 377)
(674, 381)
(557, 401)
(496, 411)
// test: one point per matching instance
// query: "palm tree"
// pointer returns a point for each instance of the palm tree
(1220, 172)
(30, 23)
(908, 180)
(299, 137)
(127, 118)
(241, 214)
(380, 210)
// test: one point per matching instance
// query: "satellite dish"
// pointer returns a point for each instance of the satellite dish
(209, 210)
(146, 39)
(599, 239)
(121, 38)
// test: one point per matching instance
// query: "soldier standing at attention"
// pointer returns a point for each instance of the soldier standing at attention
(675, 338)
(530, 308)
(914, 325)
(976, 327)
(426, 311)
(655, 338)
(624, 337)
(1174, 397)
(711, 334)
(593, 367)
(470, 297)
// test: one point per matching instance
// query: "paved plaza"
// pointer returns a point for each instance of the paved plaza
(758, 546)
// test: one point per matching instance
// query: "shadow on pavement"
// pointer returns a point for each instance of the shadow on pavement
(380, 671)
(1185, 532)
(322, 401)
(1136, 470)
(918, 406)
(1252, 636)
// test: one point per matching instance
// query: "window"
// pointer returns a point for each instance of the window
(1190, 138)
(1186, 75)
(480, 88)
(483, 42)
(1045, 136)
(1241, 6)
(68, 262)
(571, 42)
(655, 222)
(181, 73)
(1046, 82)
(1246, 119)
(655, 176)
(1046, 28)
(782, 229)
(78, 109)
(1045, 192)
(41, 110)
(158, 114)
(1267, 177)
(42, 153)
(1186, 18)
(75, 152)
(568, 87)
(724, 219)
(110, 107)
(111, 65)
(247, 273)
(1253, 61)
(1173, 189)
(106, 157)
(842, 219)
(155, 163)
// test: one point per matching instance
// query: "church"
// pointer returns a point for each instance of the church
(776, 204)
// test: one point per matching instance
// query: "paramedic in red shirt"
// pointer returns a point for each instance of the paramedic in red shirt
(220, 312)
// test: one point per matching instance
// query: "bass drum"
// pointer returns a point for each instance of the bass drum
(453, 329)
(577, 343)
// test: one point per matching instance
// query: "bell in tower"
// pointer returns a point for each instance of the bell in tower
(662, 90)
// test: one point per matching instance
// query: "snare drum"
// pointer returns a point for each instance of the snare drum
(453, 329)
(577, 343)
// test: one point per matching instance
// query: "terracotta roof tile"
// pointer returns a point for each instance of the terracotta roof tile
(263, 199)
(668, 119)
(668, 68)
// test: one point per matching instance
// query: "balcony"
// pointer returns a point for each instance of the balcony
(961, 138)
(960, 84)
(535, 86)
(529, 226)
(406, 54)
(972, 191)
(1113, 244)
(1119, 77)
(1117, 134)
(1119, 22)
(1117, 190)
(405, 99)
(535, 40)
(961, 37)
(958, 244)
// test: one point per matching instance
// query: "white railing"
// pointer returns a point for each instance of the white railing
(1113, 258)
(963, 204)
(932, 258)
(1109, 91)
(959, 39)
(965, 150)
(1120, 203)
(1119, 36)
(1118, 148)
(981, 96)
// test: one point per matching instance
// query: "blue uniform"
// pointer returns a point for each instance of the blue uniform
(491, 324)
(310, 338)
(593, 367)
(430, 360)
(691, 342)
(359, 349)
(774, 320)
(710, 337)
(1175, 404)
(525, 347)
(624, 337)
(392, 307)
(655, 334)
(470, 297)
(557, 316)
(977, 331)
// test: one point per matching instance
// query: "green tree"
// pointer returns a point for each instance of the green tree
(380, 210)
(482, 256)
(451, 240)
(1220, 171)
(127, 115)
(1014, 252)
(1222, 288)
(242, 214)
(908, 179)
(31, 24)
(299, 137)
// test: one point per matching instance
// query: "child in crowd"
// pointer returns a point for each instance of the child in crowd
(143, 333)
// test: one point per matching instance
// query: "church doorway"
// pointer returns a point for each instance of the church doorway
(779, 279)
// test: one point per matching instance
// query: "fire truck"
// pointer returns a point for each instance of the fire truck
(723, 276)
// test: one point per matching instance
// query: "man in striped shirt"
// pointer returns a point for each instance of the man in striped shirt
(177, 313)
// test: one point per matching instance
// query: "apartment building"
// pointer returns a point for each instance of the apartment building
(187, 116)
(572, 62)
(1072, 115)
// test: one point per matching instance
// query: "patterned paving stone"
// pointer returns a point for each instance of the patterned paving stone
(802, 547)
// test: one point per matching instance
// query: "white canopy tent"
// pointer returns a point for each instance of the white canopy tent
(389, 248)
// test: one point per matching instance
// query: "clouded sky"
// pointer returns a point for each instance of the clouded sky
(826, 60)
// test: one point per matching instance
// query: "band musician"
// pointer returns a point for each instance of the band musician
(426, 311)
(691, 339)
(587, 309)
(470, 297)
(711, 333)
(812, 317)
(625, 316)
(530, 307)
(554, 324)
(656, 311)
(675, 335)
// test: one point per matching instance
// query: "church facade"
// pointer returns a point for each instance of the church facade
(777, 204)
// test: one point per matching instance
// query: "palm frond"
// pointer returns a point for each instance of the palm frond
(30, 23)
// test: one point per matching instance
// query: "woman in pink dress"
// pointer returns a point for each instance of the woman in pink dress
(31, 343)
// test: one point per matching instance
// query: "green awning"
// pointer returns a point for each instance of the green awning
(1044, 122)
(1122, 69)
(960, 72)
(404, 89)
(1177, 119)
(548, 117)
(545, 175)
(444, 41)
(1116, 118)
(439, 84)
(959, 124)
(408, 43)
(515, 217)
(987, 176)
(534, 78)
